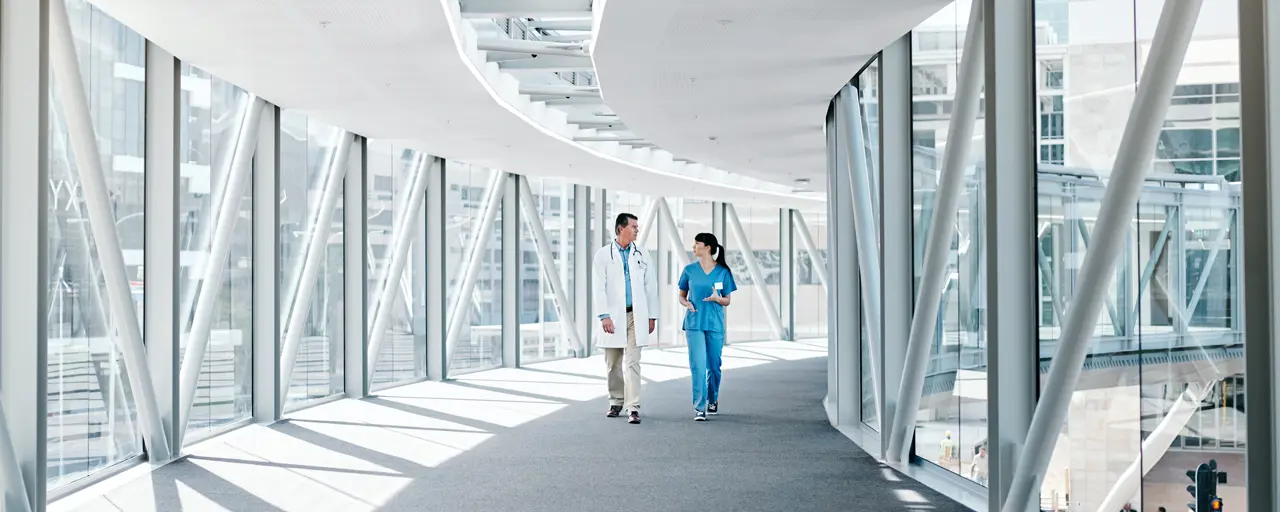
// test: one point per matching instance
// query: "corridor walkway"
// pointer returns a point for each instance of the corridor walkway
(536, 439)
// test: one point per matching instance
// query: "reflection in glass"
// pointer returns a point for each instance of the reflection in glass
(479, 345)
(1163, 386)
(952, 423)
(542, 335)
(213, 110)
(307, 149)
(92, 418)
(391, 173)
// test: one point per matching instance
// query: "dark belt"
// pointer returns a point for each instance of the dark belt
(628, 309)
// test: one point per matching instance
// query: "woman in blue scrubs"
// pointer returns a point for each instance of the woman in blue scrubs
(705, 286)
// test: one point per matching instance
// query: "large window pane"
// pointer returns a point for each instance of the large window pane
(1163, 385)
(307, 150)
(748, 319)
(479, 344)
(952, 423)
(212, 111)
(392, 171)
(92, 421)
(542, 335)
(810, 296)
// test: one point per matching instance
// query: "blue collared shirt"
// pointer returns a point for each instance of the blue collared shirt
(625, 254)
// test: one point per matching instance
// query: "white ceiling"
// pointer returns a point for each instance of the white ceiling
(394, 69)
(741, 85)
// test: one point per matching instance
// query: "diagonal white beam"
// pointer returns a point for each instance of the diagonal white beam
(1112, 312)
(806, 239)
(1119, 202)
(224, 228)
(313, 259)
(849, 124)
(646, 218)
(942, 228)
(753, 268)
(668, 223)
(532, 47)
(1218, 238)
(470, 271)
(69, 86)
(1155, 446)
(10, 469)
(401, 241)
(549, 267)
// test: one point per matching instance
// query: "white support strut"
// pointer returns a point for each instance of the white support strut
(753, 268)
(316, 243)
(668, 224)
(224, 226)
(549, 268)
(401, 242)
(471, 269)
(69, 87)
(818, 265)
(942, 228)
(849, 124)
(1119, 203)
(1154, 447)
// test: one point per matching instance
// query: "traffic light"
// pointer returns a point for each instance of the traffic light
(1204, 490)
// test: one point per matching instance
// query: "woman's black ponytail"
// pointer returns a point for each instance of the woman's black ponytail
(709, 240)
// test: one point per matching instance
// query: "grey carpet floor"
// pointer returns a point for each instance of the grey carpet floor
(770, 449)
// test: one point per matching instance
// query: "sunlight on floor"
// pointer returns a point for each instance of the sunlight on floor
(359, 454)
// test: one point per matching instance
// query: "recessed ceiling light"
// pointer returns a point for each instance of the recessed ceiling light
(802, 180)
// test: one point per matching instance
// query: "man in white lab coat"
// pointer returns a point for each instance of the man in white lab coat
(624, 291)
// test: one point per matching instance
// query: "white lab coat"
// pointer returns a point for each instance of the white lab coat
(609, 294)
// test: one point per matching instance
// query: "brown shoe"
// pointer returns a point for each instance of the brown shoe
(614, 411)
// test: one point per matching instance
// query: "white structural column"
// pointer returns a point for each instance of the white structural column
(402, 236)
(267, 406)
(1010, 229)
(1155, 446)
(955, 159)
(583, 252)
(849, 125)
(471, 268)
(1260, 222)
(357, 373)
(897, 283)
(161, 262)
(806, 240)
(1119, 202)
(75, 108)
(437, 280)
(316, 242)
(549, 267)
(24, 250)
(224, 228)
(753, 267)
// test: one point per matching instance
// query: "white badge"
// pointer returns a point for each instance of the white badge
(719, 286)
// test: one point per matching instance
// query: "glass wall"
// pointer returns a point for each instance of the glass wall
(311, 227)
(92, 417)
(213, 111)
(392, 173)
(1175, 399)
(867, 83)
(810, 295)
(747, 319)
(479, 345)
(952, 422)
(542, 335)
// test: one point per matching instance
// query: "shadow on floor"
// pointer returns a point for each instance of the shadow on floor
(537, 440)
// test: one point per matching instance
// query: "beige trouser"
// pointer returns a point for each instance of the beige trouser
(624, 386)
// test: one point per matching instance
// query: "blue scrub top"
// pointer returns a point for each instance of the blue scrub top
(700, 285)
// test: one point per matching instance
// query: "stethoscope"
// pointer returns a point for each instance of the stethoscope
(635, 251)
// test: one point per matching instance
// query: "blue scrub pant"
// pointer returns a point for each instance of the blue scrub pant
(704, 363)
